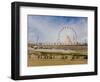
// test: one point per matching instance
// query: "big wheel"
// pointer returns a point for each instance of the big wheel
(67, 35)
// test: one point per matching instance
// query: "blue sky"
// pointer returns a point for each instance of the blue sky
(46, 28)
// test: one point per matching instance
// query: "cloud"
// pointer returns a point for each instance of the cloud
(46, 28)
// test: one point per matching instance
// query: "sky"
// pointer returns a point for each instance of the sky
(43, 28)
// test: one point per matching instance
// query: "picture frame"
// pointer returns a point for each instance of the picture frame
(27, 17)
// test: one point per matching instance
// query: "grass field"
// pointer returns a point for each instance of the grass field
(55, 62)
(50, 57)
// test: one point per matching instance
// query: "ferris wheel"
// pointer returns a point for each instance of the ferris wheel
(67, 35)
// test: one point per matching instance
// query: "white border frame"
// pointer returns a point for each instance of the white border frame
(24, 70)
